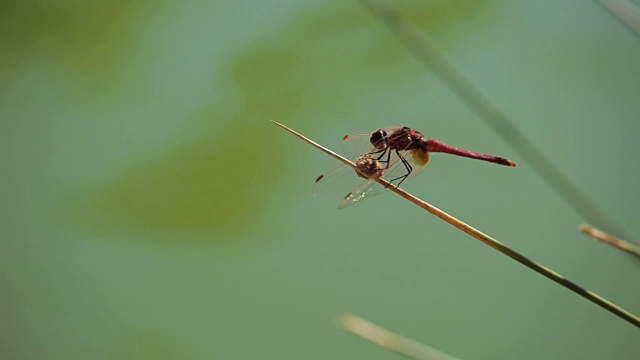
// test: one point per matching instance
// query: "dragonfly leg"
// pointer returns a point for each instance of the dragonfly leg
(406, 165)
(383, 152)
(388, 157)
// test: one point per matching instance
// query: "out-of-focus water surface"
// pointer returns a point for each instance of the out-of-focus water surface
(150, 210)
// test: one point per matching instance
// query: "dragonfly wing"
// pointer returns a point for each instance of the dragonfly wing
(340, 177)
(370, 187)
(357, 144)
(360, 143)
(364, 190)
(394, 174)
(401, 166)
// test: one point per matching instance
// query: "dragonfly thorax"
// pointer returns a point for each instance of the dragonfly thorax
(405, 138)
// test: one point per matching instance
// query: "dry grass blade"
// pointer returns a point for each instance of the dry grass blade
(626, 11)
(389, 340)
(500, 123)
(488, 240)
(610, 239)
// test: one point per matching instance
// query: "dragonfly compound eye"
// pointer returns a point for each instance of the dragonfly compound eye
(379, 139)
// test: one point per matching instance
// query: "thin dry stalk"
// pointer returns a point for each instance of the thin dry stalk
(486, 239)
(610, 239)
(389, 340)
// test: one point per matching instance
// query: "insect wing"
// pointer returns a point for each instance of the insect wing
(365, 189)
(341, 178)
(360, 143)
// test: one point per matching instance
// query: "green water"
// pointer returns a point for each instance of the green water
(150, 210)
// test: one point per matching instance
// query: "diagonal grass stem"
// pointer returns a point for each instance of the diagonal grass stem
(486, 239)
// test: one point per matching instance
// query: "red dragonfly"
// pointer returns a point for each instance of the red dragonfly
(395, 154)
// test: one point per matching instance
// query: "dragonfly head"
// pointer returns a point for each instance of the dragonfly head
(379, 139)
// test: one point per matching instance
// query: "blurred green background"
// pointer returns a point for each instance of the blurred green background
(150, 210)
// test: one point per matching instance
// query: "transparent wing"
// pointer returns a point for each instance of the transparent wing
(394, 174)
(364, 190)
(341, 177)
(402, 166)
(359, 143)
